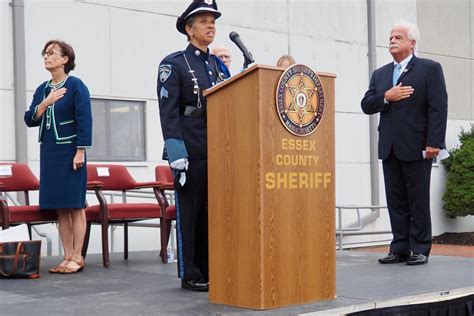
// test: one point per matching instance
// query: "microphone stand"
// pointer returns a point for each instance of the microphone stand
(248, 61)
(248, 58)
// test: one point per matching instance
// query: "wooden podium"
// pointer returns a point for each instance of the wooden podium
(271, 197)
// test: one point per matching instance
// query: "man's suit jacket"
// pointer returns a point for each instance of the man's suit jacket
(411, 124)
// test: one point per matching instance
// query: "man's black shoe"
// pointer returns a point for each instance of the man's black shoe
(392, 258)
(416, 259)
(193, 285)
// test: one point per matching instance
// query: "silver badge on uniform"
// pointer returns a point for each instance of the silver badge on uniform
(208, 2)
(164, 72)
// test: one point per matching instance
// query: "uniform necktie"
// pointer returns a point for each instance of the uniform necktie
(396, 73)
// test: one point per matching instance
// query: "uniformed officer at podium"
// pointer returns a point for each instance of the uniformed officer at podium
(182, 77)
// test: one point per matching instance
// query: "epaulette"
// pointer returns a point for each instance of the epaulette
(175, 54)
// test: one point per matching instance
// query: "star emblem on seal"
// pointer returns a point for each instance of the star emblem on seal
(300, 100)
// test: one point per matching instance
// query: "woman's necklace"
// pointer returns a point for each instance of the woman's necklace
(57, 86)
(49, 110)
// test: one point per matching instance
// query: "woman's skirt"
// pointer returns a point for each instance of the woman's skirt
(61, 186)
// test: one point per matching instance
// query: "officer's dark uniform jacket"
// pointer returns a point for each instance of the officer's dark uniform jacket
(182, 105)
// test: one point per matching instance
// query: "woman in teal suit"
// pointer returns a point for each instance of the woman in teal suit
(61, 108)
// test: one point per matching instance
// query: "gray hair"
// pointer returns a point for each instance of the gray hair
(189, 21)
(412, 32)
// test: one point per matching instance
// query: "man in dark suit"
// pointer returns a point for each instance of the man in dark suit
(410, 95)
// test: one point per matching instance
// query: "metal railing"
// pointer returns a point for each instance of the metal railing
(353, 229)
(356, 229)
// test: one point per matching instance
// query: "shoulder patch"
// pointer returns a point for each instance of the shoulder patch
(164, 72)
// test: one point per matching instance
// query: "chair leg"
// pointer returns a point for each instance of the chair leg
(85, 246)
(30, 232)
(105, 243)
(125, 241)
(165, 238)
(4, 214)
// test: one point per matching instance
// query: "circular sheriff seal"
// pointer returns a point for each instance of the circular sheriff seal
(300, 100)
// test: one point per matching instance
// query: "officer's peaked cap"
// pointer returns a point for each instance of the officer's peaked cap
(197, 6)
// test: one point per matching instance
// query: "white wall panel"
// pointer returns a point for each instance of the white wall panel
(352, 184)
(458, 76)
(32, 136)
(442, 23)
(164, 7)
(137, 49)
(268, 15)
(389, 12)
(339, 20)
(352, 138)
(6, 48)
(119, 45)
(453, 129)
(347, 61)
(383, 58)
(67, 21)
(265, 46)
(154, 140)
(7, 126)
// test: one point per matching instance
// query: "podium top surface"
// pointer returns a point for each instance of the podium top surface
(252, 69)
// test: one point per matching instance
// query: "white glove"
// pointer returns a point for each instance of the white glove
(181, 165)
(182, 178)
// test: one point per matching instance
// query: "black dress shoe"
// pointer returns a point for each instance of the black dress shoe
(195, 285)
(416, 259)
(393, 258)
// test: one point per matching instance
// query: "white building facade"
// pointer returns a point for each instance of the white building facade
(119, 45)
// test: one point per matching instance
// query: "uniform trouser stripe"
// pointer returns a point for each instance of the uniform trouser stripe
(192, 221)
(179, 236)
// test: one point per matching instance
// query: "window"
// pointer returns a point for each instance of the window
(118, 132)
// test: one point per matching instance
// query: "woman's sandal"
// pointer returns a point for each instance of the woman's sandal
(69, 270)
(61, 266)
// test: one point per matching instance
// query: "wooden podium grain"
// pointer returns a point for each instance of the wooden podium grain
(271, 242)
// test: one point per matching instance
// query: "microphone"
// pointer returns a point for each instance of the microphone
(248, 58)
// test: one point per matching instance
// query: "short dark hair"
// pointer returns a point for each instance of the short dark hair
(189, 21)
(66, 50)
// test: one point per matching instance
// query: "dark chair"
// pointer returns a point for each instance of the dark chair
(117, 178)
(164, 175)
(20, 178)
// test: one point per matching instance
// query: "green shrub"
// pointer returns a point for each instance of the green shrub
(459, 195)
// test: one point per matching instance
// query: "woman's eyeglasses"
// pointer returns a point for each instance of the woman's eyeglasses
(50, 53)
